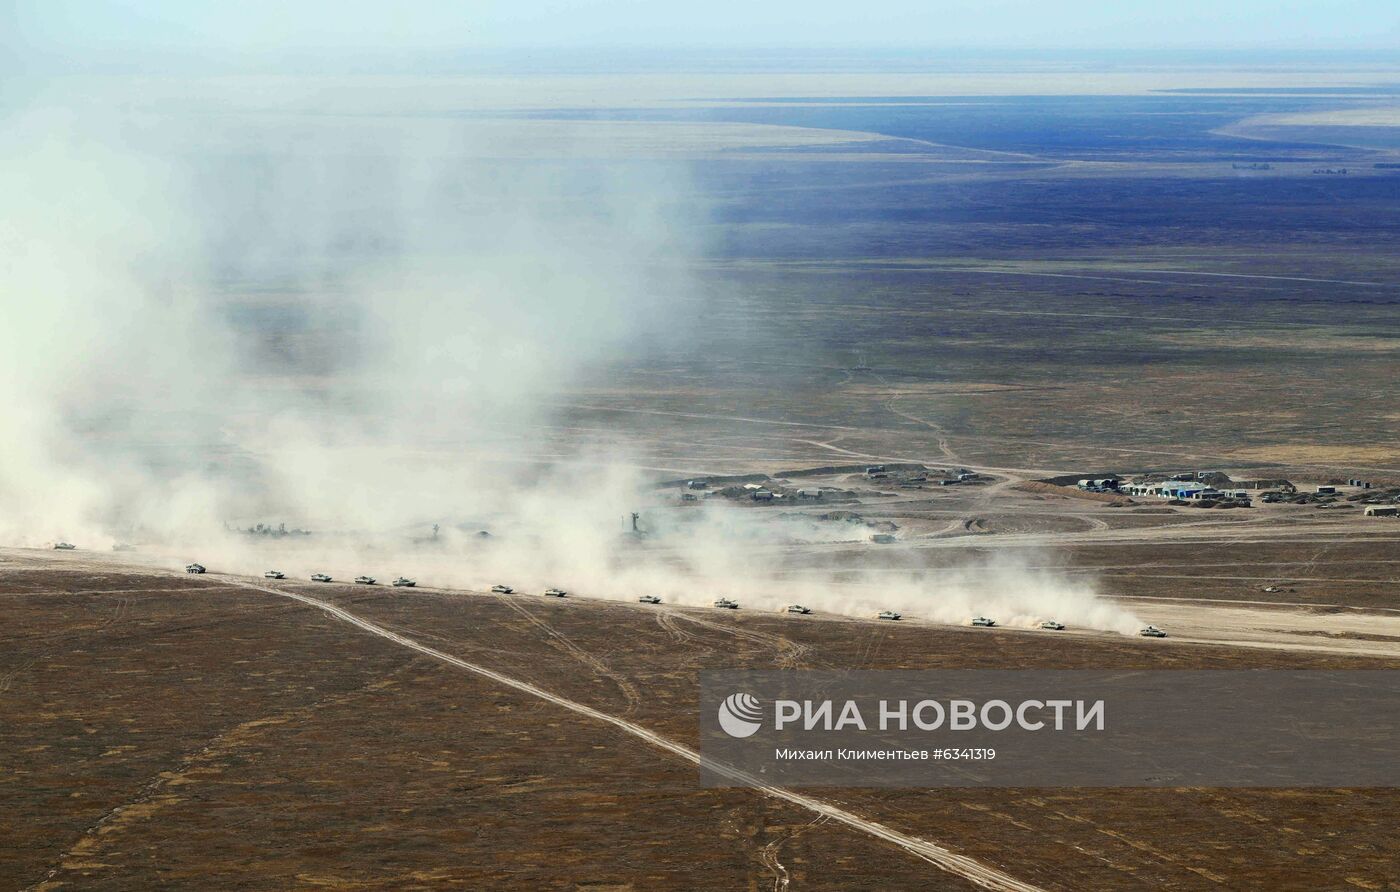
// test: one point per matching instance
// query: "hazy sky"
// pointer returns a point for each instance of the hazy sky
(75, 28)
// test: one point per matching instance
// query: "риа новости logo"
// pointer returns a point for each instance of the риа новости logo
(740, 715)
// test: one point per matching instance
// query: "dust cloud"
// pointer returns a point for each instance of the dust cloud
(358, 325)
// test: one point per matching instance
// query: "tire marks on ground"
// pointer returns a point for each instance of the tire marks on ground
(982, 875)
(566, 644)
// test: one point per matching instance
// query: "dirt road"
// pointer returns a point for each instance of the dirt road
(968, 868)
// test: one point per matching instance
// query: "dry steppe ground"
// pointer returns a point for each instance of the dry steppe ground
(162, 730)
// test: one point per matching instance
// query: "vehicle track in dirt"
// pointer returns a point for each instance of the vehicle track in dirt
(974, 871)
(789, 654)
(566, 644)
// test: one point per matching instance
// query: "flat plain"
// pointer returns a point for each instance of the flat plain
(1031, 288)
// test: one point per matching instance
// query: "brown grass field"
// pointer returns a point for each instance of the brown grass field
(162, 731)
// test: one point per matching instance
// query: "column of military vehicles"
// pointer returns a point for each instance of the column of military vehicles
(720, 603)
